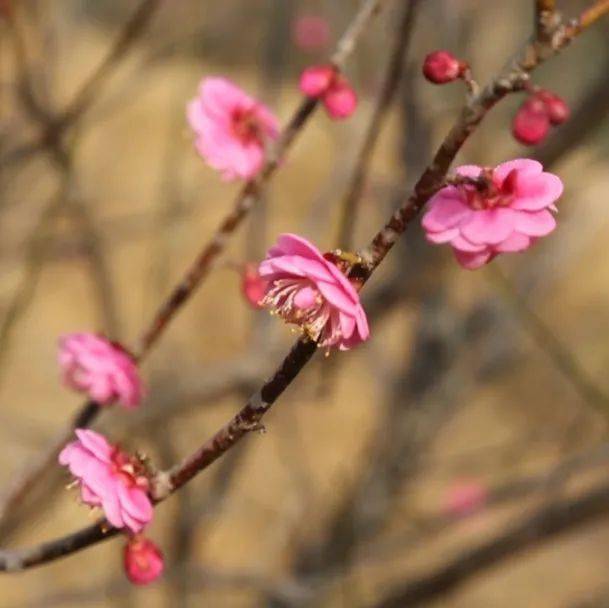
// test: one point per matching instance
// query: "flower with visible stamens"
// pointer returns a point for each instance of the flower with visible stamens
(488, 211)
(109, 478)
(309, 290)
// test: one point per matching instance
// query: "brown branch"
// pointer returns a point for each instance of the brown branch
(545, 18)
(392, 78)
(249, 417)
(203, 263)
(251, 191)
(544, 524)
(55, 128)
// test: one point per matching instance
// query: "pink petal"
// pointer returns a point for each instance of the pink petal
(535, 192)
(438, 238)
(515, 242)
(489, 226)
(471, 261)
(539, 223)
(446, 210)
(305, 298)
(524, 165)
(461, 243)
(95, 443)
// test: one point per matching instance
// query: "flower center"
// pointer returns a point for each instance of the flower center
(298, 301)
(130, 470)
(485, 191)
(246, 126)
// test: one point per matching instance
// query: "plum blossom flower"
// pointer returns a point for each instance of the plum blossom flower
(465, 497)
(324, 82)
(110, 479)
(309, 290)
(231, 128)
(310, 32)
(491, 211)
(104, 370)
(143, 560)
(253, 286)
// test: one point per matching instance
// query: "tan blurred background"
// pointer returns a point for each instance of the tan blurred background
(496, 376)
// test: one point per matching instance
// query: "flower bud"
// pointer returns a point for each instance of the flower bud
(531, 123)
(340, 99)
(440, 67)
(333, 89)
(316, 80)
(556, 107)
(253, 286)
(143, 561)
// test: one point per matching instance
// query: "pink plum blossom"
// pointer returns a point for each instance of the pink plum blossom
(110, 479)
(310, 32)
(143, 560)
(309, 290)
(231, 128)
(487, 212)
(332, 88)
(253, 286)
(105, 371)
(465, 497)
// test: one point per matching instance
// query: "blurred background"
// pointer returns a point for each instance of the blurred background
(459, 458)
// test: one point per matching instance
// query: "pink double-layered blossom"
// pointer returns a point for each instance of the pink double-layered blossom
(143, 560)
(465, 497)
(253, 286)
(325, 83)
(309, 290)
(492, 211)
(110, 479)
(311, 32)
(103, 370)
(231, 128)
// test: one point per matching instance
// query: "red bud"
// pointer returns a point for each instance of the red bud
(440, 67)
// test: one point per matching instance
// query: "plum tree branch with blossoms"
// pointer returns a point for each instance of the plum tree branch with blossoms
(359, 269)
(199, 269)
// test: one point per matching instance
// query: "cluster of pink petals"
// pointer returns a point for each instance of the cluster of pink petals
(465, 498)
(310, 291)
(253, 286)
(231, 128)
(310, 32)
(105, 371)
(109, 479)
(507, 213)
(324, 82)
(143, 560)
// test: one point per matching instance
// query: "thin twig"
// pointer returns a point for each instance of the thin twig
(391, 81)
(251, 191)
(564, 360)
(545, 523)
(88, 92)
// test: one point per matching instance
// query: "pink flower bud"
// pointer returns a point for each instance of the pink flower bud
(440, 67)
(253, 286)
(143, 561)
(316, 80)
(311, 32)
(340, 100)
(556, 107)
(531, 123)
(325, 83)
(464, 498)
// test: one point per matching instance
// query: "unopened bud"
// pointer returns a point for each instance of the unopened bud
(440, 67)
(531, 123)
